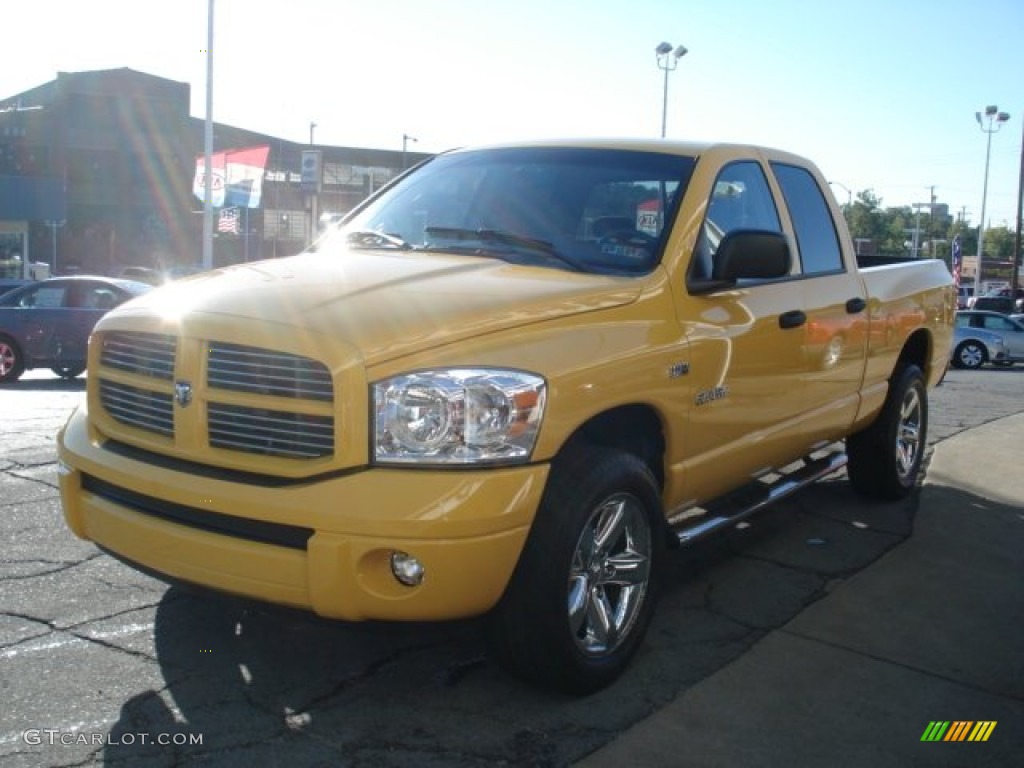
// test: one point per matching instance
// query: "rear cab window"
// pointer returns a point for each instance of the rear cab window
(816, 237)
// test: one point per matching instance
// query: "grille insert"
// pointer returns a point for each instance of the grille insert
(153, 411)
(148, 354)
(270, 432)
(266, 372)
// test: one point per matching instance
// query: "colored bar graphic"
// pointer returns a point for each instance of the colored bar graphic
(958, 730)
(982, 730)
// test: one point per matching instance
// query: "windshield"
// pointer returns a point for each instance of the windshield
(581, 209)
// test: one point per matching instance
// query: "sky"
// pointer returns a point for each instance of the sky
(880, 94)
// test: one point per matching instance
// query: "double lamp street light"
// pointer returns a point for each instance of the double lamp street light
(668, 60)
(995, 120)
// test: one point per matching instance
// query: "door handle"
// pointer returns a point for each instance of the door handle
(792, 319)
(856, 306)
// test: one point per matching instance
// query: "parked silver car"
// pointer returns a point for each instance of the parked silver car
(987, 337)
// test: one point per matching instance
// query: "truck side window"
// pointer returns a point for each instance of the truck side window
(815, 231)
(741, 199)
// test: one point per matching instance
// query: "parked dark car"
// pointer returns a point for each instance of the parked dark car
(9, 284)
(47, 324)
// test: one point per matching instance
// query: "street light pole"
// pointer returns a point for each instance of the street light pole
(668, 60)
(849, 194)
(406, 138)
(995, 122)
(1020, 216)
(208, 147)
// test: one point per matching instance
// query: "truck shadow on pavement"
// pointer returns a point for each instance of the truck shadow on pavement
(266, 686)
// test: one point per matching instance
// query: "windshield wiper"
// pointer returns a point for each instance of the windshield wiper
(505, 238)
(369, 239)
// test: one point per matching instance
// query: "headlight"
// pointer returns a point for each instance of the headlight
(457, 416)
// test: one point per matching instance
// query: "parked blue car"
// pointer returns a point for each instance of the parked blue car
(46, 324)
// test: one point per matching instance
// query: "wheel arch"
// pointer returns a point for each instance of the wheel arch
(917, 350)
(636, 429)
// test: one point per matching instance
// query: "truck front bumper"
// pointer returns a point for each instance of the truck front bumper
(324, 545)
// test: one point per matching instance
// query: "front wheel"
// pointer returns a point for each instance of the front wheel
(583, 592)
(885, 458)
(12, 364)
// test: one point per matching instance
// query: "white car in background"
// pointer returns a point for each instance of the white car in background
(987, 337)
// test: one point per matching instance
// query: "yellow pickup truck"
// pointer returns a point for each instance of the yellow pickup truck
(507, 385)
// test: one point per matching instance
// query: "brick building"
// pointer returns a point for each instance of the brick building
(96, 172)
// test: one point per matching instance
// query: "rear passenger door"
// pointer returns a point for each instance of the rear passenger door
(835, 303)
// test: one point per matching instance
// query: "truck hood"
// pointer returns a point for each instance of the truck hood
(385, 304)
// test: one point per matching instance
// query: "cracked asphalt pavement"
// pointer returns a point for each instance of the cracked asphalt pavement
(101, 665)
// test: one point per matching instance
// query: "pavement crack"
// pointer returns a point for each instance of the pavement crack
(901, 665)
(62, 566)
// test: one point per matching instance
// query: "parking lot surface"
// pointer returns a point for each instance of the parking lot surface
(104, 666)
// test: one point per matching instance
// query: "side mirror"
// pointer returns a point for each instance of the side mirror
(746, 254)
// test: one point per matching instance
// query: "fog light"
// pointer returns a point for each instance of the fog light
(407, 569)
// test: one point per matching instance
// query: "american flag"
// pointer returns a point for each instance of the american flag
(228, 221)
(957, 261)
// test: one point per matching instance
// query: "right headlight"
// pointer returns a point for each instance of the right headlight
(457, 416)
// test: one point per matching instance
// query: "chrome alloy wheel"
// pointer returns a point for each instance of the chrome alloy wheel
(908, 433)
(611, 571)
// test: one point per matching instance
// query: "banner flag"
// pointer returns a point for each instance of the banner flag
(237, 176)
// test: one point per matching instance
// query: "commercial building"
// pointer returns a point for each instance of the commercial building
(97, 168)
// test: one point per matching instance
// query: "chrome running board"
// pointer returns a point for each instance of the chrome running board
(736, 507)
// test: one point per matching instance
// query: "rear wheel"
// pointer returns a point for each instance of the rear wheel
(885, 459)
(970, 354)
(12, 363)
(583, 592)
(68, 371)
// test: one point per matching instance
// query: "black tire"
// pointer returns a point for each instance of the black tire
(68, 371)
(970, 354)
(548, 626)
(12, 362)
(885, 458)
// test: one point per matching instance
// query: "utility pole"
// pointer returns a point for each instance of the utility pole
(1020, 215)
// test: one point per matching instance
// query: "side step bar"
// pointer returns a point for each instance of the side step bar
(759, 495)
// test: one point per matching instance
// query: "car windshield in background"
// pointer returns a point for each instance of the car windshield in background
(579, 209)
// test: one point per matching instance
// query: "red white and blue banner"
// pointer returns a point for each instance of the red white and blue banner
(237, 177)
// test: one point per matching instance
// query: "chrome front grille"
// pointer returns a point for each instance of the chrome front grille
(290, 411)
(141, 408)
(266, 372)
(148, 354)
(270, 432)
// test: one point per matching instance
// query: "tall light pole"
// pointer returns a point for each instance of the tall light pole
(995, 120)
(208, 147)
(668, 60)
